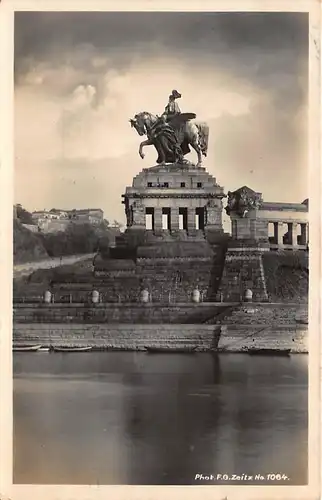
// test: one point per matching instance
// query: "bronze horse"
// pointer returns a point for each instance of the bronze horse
(172, 139)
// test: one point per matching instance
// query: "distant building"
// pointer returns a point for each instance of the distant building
(51, 221)
(45, 215)
(58, 220)
(58, 213)
(87, 215)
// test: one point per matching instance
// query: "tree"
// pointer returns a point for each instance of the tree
(77, 239)
(23, 215)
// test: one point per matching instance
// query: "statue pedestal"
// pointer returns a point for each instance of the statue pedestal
(249, 228)
(244, 270)
(175, 197)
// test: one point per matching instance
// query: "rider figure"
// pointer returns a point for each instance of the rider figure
(172, 108)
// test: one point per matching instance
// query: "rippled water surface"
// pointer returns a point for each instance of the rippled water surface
(138, 418)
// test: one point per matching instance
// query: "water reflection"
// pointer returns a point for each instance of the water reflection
(137, 418)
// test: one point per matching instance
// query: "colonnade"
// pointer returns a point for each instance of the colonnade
(290, 233)
(176, 218)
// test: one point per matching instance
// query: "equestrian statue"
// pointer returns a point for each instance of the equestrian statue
(172, 133)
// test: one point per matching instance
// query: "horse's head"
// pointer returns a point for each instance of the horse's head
(138, 122)
(142, 122)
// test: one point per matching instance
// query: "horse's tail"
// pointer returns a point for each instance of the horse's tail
(203, 130)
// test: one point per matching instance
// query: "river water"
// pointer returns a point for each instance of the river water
(138, 418)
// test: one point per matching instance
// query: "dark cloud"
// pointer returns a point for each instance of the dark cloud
(38, 34)
(269, 49)
(35, 31)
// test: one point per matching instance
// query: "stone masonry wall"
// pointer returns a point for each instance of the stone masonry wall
(116, 336)
(243, 269)
(232, 338)
(273, 315)
(167, 279)
(175, 279)
(265, 326)
(116, 313)
(239, 338)
(129, 326)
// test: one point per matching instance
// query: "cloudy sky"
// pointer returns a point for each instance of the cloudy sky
(80, 77)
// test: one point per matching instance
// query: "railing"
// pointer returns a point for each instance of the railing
(166, 298)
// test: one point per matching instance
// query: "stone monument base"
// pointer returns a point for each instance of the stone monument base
(243, 270)
(174, 197)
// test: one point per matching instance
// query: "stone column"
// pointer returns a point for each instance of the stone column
(174, 219)
(233, 228)
(137, 215)
(191, 219)
(213, 218)
(280, 232)
(294, 234)
(158, 219)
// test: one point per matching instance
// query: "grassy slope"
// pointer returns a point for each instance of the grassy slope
(27, 246)
(287, 276)
(39, 281)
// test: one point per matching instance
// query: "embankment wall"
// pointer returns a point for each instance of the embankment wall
(150, 313)
(156, 313)
(232, 338)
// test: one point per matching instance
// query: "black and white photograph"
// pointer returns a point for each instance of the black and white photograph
(161, 248)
